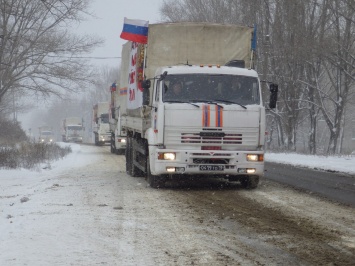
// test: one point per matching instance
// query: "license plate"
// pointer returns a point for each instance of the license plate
(211, 167)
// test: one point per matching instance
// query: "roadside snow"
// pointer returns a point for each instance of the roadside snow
(344, 164)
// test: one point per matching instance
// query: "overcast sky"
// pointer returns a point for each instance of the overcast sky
(109, 23)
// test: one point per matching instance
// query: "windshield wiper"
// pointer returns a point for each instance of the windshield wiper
(175, 101)
(231, 102)
(207, 101)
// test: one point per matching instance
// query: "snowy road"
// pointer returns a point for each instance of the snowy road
(95, 214)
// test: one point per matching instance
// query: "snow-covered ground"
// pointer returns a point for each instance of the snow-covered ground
(19, 186)
(344, 164)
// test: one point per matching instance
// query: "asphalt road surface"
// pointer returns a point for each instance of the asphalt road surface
(339, 187)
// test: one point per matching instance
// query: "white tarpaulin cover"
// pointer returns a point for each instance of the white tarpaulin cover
(196, 43)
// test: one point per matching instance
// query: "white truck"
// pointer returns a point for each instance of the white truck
(72, 129)
(208, 130)
(118, 134)
(46, 134)
(101, 127)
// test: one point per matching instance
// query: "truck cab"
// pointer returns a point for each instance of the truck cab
(46, 136)
(215, 125)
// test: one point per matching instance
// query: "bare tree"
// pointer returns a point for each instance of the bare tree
(38, 54)
(310, 54)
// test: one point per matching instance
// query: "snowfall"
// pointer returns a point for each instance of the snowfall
(23, 237)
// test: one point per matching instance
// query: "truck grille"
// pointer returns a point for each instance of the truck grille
(197, 138)
(211, 137)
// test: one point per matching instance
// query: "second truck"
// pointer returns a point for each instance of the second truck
(101, 127)
(208, 130)
(118, 134)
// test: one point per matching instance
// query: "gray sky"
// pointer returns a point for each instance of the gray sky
(109, 23)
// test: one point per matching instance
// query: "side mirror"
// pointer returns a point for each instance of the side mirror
(146, 84)
(146, 96)
(274, 88)
(162, 76)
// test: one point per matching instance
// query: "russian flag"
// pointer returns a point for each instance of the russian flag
(135, 30)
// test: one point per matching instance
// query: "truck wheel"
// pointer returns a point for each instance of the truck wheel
(112, 143)
(250, 182)
(128, 156)
(154, 181)
(135, 171)
(113, 149)
(96, 140)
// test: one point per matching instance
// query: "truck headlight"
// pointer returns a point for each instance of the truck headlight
(166, 156)
(255, 157)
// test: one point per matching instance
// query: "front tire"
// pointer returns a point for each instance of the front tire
(128, 155)
(97, 140)
(154, 181)
(113, 144)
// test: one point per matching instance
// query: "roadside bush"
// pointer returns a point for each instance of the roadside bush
(11, 132)
(30, 154)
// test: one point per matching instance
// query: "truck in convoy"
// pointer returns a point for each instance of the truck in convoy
(215, 128)
(46, 134)
(72, 129)
(118, 134)
(101, 127)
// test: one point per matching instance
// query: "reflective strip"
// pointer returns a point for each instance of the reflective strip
(206, 113)
(219, 116)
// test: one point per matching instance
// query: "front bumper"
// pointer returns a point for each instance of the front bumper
(207, 162)
(105, 138)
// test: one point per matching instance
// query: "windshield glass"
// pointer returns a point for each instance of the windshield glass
(104, 118)
(74, 127)
(206, 87)
(46, 133)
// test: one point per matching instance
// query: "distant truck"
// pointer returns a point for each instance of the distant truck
(46, 134)
(208, 130)
(118, 134)
(72, 129)
(101, 127)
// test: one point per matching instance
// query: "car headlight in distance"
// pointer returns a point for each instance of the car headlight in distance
(166, 156)
(255, 157)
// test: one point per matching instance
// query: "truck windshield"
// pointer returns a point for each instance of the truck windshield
(227, 89)
(74, 127)
(104, 118)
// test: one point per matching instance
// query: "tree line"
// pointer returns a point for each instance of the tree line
(308, 48)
